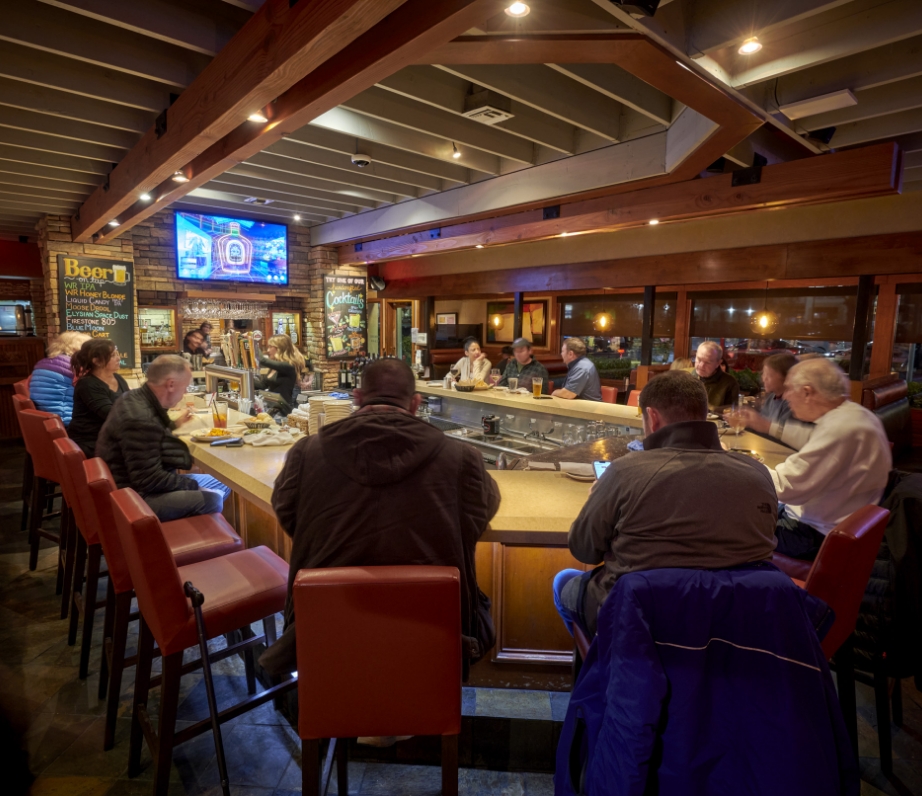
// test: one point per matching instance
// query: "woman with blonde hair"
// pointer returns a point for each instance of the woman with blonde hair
(285, 363)
(51, 386)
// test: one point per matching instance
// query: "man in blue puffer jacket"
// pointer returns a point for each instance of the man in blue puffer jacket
(51, 387)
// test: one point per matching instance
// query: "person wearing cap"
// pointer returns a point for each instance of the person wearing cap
(524, 367)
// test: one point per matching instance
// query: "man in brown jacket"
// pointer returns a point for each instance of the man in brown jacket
(383, 488)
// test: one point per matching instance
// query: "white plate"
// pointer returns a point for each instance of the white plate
(578, 477)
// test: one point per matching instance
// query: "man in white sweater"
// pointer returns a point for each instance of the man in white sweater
(843, 465)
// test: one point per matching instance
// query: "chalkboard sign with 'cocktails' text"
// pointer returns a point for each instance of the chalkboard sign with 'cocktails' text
(344, 321)
(97, 298)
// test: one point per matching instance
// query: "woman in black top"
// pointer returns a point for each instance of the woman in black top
(285, 363)
(98, 386)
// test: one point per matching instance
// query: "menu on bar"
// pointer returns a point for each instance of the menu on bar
(97, 298)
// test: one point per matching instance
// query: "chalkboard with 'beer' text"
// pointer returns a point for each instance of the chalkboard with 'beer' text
(97, 298)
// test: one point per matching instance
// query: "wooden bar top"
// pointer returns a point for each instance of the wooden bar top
(576, 408)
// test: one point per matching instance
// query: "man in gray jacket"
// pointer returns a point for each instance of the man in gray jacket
(681, 502)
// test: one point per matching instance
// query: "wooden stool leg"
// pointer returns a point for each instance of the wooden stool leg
(896, 701)
(845, 680)
(89, 605)
(449, 765)
(35, 520)
(107, 622)
(120, 619)
(69, 542)
(169, 707)
(77, 585)
(882, 698)
(249, 667)
(28, 477)
(141, 688)
(310, 767)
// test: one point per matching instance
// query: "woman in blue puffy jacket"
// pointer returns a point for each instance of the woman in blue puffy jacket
(51, 386)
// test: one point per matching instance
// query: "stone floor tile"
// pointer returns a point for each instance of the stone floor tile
(468, 701)
(387, 780)
(538, 784)
(51, 735)
(513, 704)
(476, 782)
(257, 755)
(71, 786)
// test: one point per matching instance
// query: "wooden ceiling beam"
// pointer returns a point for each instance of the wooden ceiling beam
(277, 209)
(52, 162)
(536, 48)
(297, 186)
(279, 198)
(174, 23)
(292, 193)
(395, 41)
(903, 95)
(64, 147)
(69, 129)
(873, 171)
(276, 48)
(882, 127)
(31, 171)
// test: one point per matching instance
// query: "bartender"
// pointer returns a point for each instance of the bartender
(582, 377)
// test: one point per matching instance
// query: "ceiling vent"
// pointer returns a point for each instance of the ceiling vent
(815, 105)
(255, 200)
(487, 107)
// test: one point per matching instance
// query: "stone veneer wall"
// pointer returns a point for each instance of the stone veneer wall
(151, 247)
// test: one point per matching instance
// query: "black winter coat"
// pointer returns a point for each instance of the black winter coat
(383, 488)
(137, 443)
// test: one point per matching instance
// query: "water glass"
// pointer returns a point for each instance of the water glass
(513, 384)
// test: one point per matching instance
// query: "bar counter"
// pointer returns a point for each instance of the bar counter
(516, 559)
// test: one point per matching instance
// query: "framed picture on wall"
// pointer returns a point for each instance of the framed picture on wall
(446, 319)
(501, 322)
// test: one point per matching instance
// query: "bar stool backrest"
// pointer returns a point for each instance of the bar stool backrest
(379, 651)
(70, 465)
(100, 485)
(161, 598)
(21, 402)
(22, 388)
(39, 441)
(839, 575)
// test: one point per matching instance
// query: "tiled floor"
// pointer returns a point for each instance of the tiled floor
(62, 721)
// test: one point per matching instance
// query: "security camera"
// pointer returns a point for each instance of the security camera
(360, 160)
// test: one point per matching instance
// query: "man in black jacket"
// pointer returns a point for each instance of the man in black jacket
(137, 443)
(384, 488)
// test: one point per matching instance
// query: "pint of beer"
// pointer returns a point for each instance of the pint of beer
(536, 385)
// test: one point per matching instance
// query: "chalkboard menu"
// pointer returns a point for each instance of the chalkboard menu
(97, 298)
(344, 321)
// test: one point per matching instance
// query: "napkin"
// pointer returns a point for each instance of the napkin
(577, 468)
(542, 466)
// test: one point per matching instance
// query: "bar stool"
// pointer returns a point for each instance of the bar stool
(633, 398)
(190, 540)
(22, 387)
(609, 395)
(379, 653)
(21, 402)
(226, 594)
(45, 477)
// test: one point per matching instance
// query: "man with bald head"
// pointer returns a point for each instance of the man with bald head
(843, 466)
(384, 488)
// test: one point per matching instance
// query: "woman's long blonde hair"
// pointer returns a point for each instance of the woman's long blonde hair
(287, 352)
(67, 343)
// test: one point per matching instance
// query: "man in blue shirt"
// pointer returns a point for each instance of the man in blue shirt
(582, 377)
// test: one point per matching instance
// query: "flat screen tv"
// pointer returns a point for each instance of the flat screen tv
(224, 249)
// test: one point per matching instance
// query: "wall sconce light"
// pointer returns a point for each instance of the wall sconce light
(497, 322)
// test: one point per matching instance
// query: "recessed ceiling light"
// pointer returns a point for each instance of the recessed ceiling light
(750, 46)
(297, 217)
(653, 222)
(113, 222)
(454, 151)
(517, 10)
(145, 197)
(479, 246)
(178, 176)
(259, 116)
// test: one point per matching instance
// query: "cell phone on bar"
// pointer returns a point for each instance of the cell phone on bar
(599, 468)
(228, 442)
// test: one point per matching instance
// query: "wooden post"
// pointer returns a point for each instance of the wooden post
(884, 329)
(517, 316)
(863, 314)
(646, 339)
(683, 312)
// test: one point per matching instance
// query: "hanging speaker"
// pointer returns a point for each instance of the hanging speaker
(377, 283)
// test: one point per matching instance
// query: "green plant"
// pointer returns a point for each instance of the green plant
(748, 381)
(610, 368)
(915, 394)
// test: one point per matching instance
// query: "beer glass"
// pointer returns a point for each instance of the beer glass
(536, 384)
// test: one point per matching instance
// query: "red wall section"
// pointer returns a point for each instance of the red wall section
(20, 259)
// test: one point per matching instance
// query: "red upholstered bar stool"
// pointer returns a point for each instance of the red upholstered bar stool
(182, 607)
(21, 402)
(39, 440)
(839, 576)
(22, 387)
(633, 398)
(379, 653)
(190, 540)
(609, 395)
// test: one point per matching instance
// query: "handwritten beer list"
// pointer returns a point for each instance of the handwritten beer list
(97, 297)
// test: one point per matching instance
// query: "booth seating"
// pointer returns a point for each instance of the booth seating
(190, 540)
(21, 402)
(379, 653)
(888, 398)
(183, 607)
(39, 440)
(839, 576)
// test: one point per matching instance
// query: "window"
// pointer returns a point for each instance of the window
(907, 344)
(810, 320)
(612, 326)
